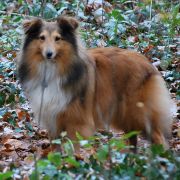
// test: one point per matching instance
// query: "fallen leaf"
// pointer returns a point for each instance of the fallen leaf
(29, 160)
(16, 144)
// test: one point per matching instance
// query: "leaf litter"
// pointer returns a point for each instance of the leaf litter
(21, 141)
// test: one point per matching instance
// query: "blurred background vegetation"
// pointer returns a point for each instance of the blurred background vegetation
(151, 27)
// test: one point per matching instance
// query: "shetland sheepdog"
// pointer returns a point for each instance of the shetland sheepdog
(87, 90)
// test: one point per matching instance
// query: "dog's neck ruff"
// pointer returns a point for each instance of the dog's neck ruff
(55, 98)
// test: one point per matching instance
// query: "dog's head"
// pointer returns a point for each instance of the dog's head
(50, 40)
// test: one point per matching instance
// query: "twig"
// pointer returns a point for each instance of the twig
(150, 13)
(24, 15)
(109, 145)
(108, 121)
(43, 4)
(36, 170)
(28, 10)
(17, 152)
(102, 15)
(77, 8)
(17, 14)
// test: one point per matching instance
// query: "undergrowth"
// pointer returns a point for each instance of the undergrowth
(147, 26)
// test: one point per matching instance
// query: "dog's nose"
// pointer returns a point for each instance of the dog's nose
(49, 54)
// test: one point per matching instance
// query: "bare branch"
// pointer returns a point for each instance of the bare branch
(43, 4)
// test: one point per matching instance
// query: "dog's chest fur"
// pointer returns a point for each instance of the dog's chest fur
(55, 98)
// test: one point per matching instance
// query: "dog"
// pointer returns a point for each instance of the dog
(90, 89)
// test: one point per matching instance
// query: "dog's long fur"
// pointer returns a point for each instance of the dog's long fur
(89, 89)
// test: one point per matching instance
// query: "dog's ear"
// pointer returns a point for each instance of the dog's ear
(32, 25)
(67, 24)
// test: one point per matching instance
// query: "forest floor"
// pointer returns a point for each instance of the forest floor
(22, 143)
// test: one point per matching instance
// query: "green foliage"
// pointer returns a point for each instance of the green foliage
(7, 175)
(55, 158)
(107, 162)
(128, 25)
(102, 153)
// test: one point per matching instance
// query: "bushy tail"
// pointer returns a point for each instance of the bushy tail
(160, 104)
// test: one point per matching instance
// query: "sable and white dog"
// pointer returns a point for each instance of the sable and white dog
(87, 89)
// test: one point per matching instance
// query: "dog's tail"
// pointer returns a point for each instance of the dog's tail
(159, 106)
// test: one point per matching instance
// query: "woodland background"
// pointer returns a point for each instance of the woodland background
(151, 27)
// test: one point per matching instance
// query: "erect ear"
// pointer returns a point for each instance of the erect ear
(32, 25)
(67, 23)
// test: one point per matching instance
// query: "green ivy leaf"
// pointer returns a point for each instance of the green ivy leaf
(157, 149)
(49, 11)
(55, 158)
(43, 163)
(102, 153)
(6, 175)
(72, 161)
(79, 136)
(130, 134)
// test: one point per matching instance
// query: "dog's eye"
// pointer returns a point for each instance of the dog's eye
(57, 38)
(42, 38)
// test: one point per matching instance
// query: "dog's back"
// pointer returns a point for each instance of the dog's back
(131, 94)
